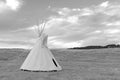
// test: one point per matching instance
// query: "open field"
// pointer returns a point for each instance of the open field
(96, 64)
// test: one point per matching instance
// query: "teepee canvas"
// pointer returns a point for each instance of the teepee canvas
(40, 57)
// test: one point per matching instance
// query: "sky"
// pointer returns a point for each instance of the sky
(69, 23)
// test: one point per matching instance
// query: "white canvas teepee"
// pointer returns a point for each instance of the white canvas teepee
(40, 57)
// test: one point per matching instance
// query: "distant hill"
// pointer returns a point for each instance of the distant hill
(98, 46)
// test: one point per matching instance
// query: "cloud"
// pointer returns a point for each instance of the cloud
(116, 23)
(13, 4)
(110, 9)
(93, 25)
(9, 41)
(18, 39)
(59, 44)
(6, 5)
(105, 4)
(98, 24)
(112, 31)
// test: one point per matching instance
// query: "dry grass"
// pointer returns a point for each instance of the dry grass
(101, 64)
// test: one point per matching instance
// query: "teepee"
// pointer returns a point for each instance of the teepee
(40, 57)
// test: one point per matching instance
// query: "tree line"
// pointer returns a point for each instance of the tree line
(98, 46)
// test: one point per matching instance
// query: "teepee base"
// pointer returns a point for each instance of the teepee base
(39, 70)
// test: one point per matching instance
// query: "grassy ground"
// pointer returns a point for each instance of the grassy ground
(96, 64)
